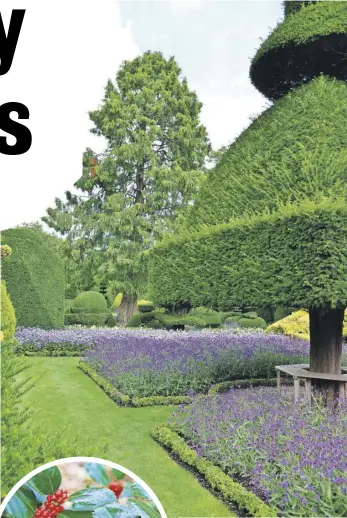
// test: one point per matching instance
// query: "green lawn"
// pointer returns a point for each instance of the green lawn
(65, 397)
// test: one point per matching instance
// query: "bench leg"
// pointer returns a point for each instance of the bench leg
(342, 391)
(308, 391)
(279, 381)
(296, 390)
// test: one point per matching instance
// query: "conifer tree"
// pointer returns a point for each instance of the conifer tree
(132, 193)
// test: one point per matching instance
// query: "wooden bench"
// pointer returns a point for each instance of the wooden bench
(300, 371)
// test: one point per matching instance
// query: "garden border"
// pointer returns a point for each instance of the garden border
(213, 475)
(125, 400)
(223, 386)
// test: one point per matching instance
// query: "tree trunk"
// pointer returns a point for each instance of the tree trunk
(127, 308)
(326, 349)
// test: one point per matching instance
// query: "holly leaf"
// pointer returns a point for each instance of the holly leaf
(148, 508)
(118, 475)
(22, 505)
(76, 514)
(46, 482)
(138, 490)
(92, 498)
(98, 473)
(120, 511)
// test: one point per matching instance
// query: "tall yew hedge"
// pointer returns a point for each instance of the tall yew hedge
(35, 281)
(269, 225)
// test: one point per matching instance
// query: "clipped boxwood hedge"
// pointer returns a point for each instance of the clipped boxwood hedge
(295, 257)
(35, 279)
(213, 475)
(125, 400)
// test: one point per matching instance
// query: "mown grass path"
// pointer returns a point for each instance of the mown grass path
(64, 396)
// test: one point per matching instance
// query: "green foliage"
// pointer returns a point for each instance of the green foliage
(23, 444)
(226, 314)
(309, 42)
(51, 349)
(252, 323)
(34, 276)
(250, 314)
(224, 386)
(267, 313)
(145, 306)
(87, 319)
(5, 251)
(286, 271)
(295, 149)
(89, 302)
(282, 312)
(118, 300)
(158, 146)
(160, 320)
(291, 6)
(317, 19)
(125, 400)
(232, 319)
(111, 321)
(8, 317)
(230, 490)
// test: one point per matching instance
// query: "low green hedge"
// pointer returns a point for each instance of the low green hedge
(123, 399)
(214, 476)
(224, 386)
(51, 349)
(86, 319)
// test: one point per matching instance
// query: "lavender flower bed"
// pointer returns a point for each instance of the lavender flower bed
(293, 457)
(146, 363)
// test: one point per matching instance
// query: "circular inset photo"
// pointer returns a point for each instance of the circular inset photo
(81, 487)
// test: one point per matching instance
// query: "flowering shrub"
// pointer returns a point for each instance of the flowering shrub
(294, 458)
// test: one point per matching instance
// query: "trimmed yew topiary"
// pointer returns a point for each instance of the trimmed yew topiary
(269, 225)
(35, 279)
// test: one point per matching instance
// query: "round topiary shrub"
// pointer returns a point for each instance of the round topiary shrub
(35, 279)
(252, 323)
(8, 317)
(89, 302)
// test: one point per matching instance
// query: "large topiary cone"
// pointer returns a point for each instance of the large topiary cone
(296, 149)
(311, 40)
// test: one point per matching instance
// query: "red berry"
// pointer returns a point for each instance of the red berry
(116, 487)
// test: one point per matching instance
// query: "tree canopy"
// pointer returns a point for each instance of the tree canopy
(149, 171)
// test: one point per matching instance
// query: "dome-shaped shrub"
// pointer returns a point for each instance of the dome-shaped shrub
(252, 323)
(89, 302)
(8, 317)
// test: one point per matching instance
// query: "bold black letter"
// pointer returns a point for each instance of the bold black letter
(12, 127)
(8, 43)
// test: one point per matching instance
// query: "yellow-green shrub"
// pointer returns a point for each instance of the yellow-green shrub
(8, 317)
(297, 325)
(118, 300)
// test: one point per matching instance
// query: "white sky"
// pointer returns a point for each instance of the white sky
(66, 52)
